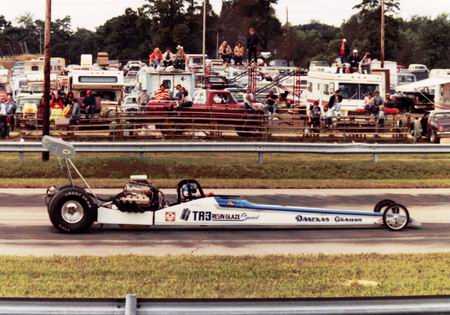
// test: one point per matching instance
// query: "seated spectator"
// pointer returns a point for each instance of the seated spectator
(283, 101)
(354, 61)
(155, 58)
(271, 102)
(315, 115)
(239, 53)
(56, 102)
(168, 58)
(180, 59)
(162, 93)
(366, 64)
(90, 104)
(182, 95)
(335, 102)
(143, 98)
(381, 117)
(225, 52)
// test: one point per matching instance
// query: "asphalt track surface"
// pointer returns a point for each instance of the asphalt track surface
(25, 228)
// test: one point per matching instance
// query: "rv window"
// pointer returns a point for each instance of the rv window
(168, 84)
(326, 89)
(96, 79)
(356, 91)
(109, 96)
(35, 68)
(310, 87)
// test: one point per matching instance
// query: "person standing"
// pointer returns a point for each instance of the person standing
(343, 51)
(252, 45)
(143, 98)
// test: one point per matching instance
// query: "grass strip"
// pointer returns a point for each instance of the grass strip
(244, 183)
(225, 277)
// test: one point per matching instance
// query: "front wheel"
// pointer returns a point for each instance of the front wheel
(396, 217)
(72, 211)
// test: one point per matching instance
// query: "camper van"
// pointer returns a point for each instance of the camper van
(150, 80)
(354, 87)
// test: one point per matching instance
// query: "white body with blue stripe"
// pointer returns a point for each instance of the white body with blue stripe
(232, 211)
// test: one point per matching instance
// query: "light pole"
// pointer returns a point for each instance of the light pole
(382, 34)
(204, 36)
(47, 56)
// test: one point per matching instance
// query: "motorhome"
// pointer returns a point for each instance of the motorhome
(150, 80)
(354, 87)
(420, 71)
(107, 85)
(440, 73)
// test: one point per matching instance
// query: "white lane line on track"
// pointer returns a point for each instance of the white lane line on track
(324, 241)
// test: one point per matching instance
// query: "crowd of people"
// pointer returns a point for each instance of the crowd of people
(8, 109)
(177, 60)
(352, 62)
(237, 54)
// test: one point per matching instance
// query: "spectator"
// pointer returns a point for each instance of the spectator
(11, 108)
(225, 52)
(343, 51)
(354, 61)
(183, 97)
(143, 98)
(381, 117)
(4, 129)
(369, 102)
(328, 117)
(168, 58)
(315, 115)
(271, 102)
(366, 64)
(162, 93)
(378, 101)
(239, 52)
(335, 101)
(417, 129)
(155, 58)
(75, 112)
(180, 59)
(90, 104)
(56, 102)
(252, 45)
(283, 101)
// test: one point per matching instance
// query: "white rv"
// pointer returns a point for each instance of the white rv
(354, 87)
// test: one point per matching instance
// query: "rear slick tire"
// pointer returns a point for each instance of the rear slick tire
(72, 211)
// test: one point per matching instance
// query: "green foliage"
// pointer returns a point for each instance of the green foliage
(168, 23)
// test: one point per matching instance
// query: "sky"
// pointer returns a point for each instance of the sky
(300, 11)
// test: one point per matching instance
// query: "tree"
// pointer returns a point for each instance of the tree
(367, 6)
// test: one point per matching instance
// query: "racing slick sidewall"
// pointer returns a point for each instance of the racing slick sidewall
(79, 196)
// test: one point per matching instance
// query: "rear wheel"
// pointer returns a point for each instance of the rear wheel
(72, 211)
(396, 217)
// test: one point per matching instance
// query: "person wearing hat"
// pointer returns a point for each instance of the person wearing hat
(354, 60)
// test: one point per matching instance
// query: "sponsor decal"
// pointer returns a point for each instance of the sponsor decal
(171, 216)
(336, 219)
(310, 219)
(208, 216)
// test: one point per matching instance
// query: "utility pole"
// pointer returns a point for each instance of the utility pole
(204, 36)
(47, 56)
(382, 34)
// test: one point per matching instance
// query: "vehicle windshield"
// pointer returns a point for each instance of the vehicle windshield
(356, 91)
(442, 116)
(108, 96)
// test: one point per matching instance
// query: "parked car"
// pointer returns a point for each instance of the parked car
(438, 126)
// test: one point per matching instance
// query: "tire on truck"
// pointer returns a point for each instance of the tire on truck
(72, 210)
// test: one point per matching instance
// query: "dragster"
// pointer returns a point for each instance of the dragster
(75, 209)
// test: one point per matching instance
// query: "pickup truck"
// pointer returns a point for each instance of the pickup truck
(211, 110)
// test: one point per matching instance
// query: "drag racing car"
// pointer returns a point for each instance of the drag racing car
(75, 209)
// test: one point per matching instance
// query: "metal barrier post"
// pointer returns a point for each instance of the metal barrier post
(376, 158)
(131, 304)
(260, 158)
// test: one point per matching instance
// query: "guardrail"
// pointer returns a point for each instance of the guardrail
(132, 306)
(234, 147)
